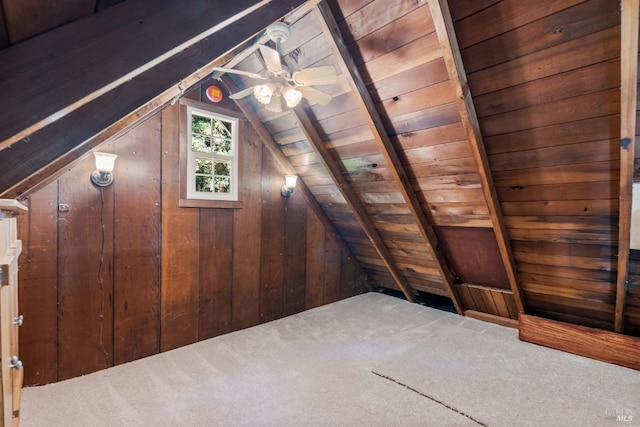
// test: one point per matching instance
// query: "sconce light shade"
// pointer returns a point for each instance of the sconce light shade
(103, 174)
(290, 184)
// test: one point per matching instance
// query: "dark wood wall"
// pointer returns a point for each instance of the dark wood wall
(123, 273)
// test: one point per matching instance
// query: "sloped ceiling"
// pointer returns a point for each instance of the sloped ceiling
(471, 149)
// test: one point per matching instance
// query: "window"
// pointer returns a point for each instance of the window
(209, 156)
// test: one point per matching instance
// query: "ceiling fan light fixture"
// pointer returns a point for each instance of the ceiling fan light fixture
(264, 93)
(291, 96)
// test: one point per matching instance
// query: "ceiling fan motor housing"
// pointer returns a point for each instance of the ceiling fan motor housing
(278, 32)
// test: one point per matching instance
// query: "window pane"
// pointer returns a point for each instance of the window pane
(204, 166)
(222, 136)
(223, 168)
(223, 184)
(204, 184)
(222, 146)
(200, 124)
(200, 143)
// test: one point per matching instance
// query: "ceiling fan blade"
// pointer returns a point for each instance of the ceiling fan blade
(315, 95)
(242, 93)
(325, 75)
(271, 58)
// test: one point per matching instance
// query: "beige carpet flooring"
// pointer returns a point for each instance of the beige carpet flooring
(371, 360)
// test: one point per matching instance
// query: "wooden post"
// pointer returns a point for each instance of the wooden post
(628, 100)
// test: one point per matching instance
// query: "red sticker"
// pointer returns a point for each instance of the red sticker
(214, 93)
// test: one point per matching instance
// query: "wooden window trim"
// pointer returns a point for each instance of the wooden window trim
(183, 201)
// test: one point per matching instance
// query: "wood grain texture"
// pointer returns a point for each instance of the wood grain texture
(85, 273)
(246, 247)
(628, 103)
(593, 343)
(272, 263)
(38, 299)
(216, 272)
(137, 242)
(179, 246)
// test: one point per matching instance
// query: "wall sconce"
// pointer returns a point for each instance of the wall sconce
(290, 184)
(103, 175)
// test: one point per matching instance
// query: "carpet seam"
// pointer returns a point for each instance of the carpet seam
(430, 398)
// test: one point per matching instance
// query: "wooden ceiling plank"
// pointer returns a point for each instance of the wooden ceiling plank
(93, 56)
(453, 60)
(628, 101)
(349, 69)
(336, 172)
(287, 168)
(32, 159)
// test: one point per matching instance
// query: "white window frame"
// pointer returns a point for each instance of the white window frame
(189, 197)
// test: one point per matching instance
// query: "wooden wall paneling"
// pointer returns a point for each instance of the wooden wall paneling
(38, 301)
(272, 263)
(335, 170)
(315, 271)
(332, 264)
(628, 102)
(246, 247)
(216, 272)
(453, 60)
(583, 19)
(137, 242)
(295, 253)
(285, 165)
(179, 246)
(591, 49)
(4, 36)
(502, 17)
(85, 269)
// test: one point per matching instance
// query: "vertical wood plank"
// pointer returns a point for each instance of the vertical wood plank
(216, 275)
(137, 242)
(331, 270)
(501, 304)
(179, 246)
(247, 227)
(314, 292)
(85, 267)
(476, 296)
(272, 251)
(628, 101)
(295, 254)
(38, 302)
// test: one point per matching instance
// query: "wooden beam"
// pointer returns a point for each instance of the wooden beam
(451, 53)
(359, 88)
(288, 169)
(606, 346)
(492, 318)
(628, 100)
(336, 173)
(91, 123)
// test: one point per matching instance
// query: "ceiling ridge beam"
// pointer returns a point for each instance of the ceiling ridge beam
(350, 70)
(337, 175)
(287, 168)
(453, 60)
(628, 101)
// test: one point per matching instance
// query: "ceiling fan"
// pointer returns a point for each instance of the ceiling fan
(283, 89)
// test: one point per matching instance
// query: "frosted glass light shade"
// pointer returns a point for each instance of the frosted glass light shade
(105, 161)
(103, 174)
(289, 185)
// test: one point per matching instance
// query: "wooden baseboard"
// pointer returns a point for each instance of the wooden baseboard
(598, 344)
(486, 317)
